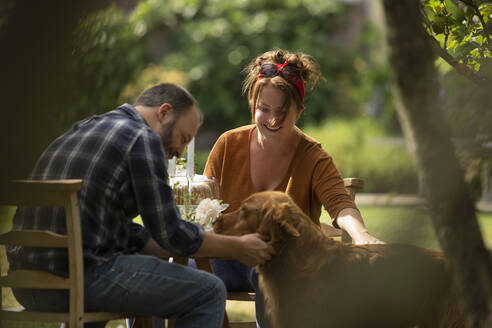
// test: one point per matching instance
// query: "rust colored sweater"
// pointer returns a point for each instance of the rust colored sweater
(312, 179)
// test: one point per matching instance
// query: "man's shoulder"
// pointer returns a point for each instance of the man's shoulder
(111, 133)
(122, 122)
(127, 115)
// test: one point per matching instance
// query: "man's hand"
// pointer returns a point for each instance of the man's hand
(254, 250)
(250, 249)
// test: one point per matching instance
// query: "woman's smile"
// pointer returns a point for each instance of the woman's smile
(271, 128)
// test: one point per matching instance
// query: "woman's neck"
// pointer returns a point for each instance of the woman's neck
(279, 143)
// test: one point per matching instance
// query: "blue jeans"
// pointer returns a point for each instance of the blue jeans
(239, 277)
(143, 285)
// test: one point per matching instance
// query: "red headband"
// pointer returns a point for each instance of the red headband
(288, 73)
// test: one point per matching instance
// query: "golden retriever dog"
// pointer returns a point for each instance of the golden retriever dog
(314, 281)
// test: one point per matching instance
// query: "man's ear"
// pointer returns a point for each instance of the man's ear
(281, 215)
(163, 111)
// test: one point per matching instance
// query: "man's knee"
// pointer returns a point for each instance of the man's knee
(218, 288)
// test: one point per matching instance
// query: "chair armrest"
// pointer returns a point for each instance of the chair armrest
(355, 183)
(46, 185)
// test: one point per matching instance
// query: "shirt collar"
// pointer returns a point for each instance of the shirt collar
(133, 112)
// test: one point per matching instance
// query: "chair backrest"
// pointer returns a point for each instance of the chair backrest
(61, 193)
(353, 185)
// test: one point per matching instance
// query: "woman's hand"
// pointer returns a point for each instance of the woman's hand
(350, 220)
(366, 238)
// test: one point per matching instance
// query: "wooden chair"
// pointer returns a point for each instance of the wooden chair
(352, 185)
(50, 193)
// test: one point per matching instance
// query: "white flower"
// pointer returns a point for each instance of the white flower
(207, 210)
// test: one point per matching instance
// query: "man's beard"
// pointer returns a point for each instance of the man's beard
(166, 134)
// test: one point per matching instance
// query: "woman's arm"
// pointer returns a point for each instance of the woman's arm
(330, 189)
(350, 220)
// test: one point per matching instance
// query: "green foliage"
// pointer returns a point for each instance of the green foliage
(204, 44)
(464, 30)
(360, 148)
(201, 157)
(150, 76)
(213, 40)
(109, 54)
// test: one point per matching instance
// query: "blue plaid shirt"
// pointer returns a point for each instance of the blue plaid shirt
(123, 166)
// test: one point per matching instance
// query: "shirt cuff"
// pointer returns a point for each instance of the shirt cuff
(337, 211)
(197, 241)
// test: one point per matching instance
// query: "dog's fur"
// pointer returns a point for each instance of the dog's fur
(314, 281)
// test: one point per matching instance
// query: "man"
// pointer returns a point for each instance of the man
(121, 158)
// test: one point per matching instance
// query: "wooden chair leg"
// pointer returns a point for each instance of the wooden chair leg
(204, 264)
(143, 322)
(226, 323)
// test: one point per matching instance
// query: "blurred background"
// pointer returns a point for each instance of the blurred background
(64, 62)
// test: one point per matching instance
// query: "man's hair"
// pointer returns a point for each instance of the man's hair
(170, 93)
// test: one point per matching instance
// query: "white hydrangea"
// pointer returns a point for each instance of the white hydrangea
(207, 210)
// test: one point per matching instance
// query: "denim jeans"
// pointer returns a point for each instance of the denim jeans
(239, 277)
(143, 285)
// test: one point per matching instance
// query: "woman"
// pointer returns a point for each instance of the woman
(274, 154)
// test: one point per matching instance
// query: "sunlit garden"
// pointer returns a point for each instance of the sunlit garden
(403, 101)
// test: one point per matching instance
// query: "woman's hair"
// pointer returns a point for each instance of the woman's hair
(308, 71)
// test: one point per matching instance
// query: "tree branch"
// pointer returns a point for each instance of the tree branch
(483, 82)
(479, 14)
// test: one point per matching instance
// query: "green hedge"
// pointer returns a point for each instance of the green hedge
(360, 148)
(201, 157)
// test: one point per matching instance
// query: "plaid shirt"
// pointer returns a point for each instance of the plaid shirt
(122, 164)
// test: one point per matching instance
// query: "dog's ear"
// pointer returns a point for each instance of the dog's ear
(281, 214)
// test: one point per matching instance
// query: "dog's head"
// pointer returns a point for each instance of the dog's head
(270, 213)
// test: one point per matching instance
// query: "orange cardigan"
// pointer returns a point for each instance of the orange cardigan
(312, 179)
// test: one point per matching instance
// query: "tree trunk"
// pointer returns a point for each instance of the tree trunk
(452, 209)
(37, 43)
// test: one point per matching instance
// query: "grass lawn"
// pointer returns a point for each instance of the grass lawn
(389, 223)
(411, 225)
